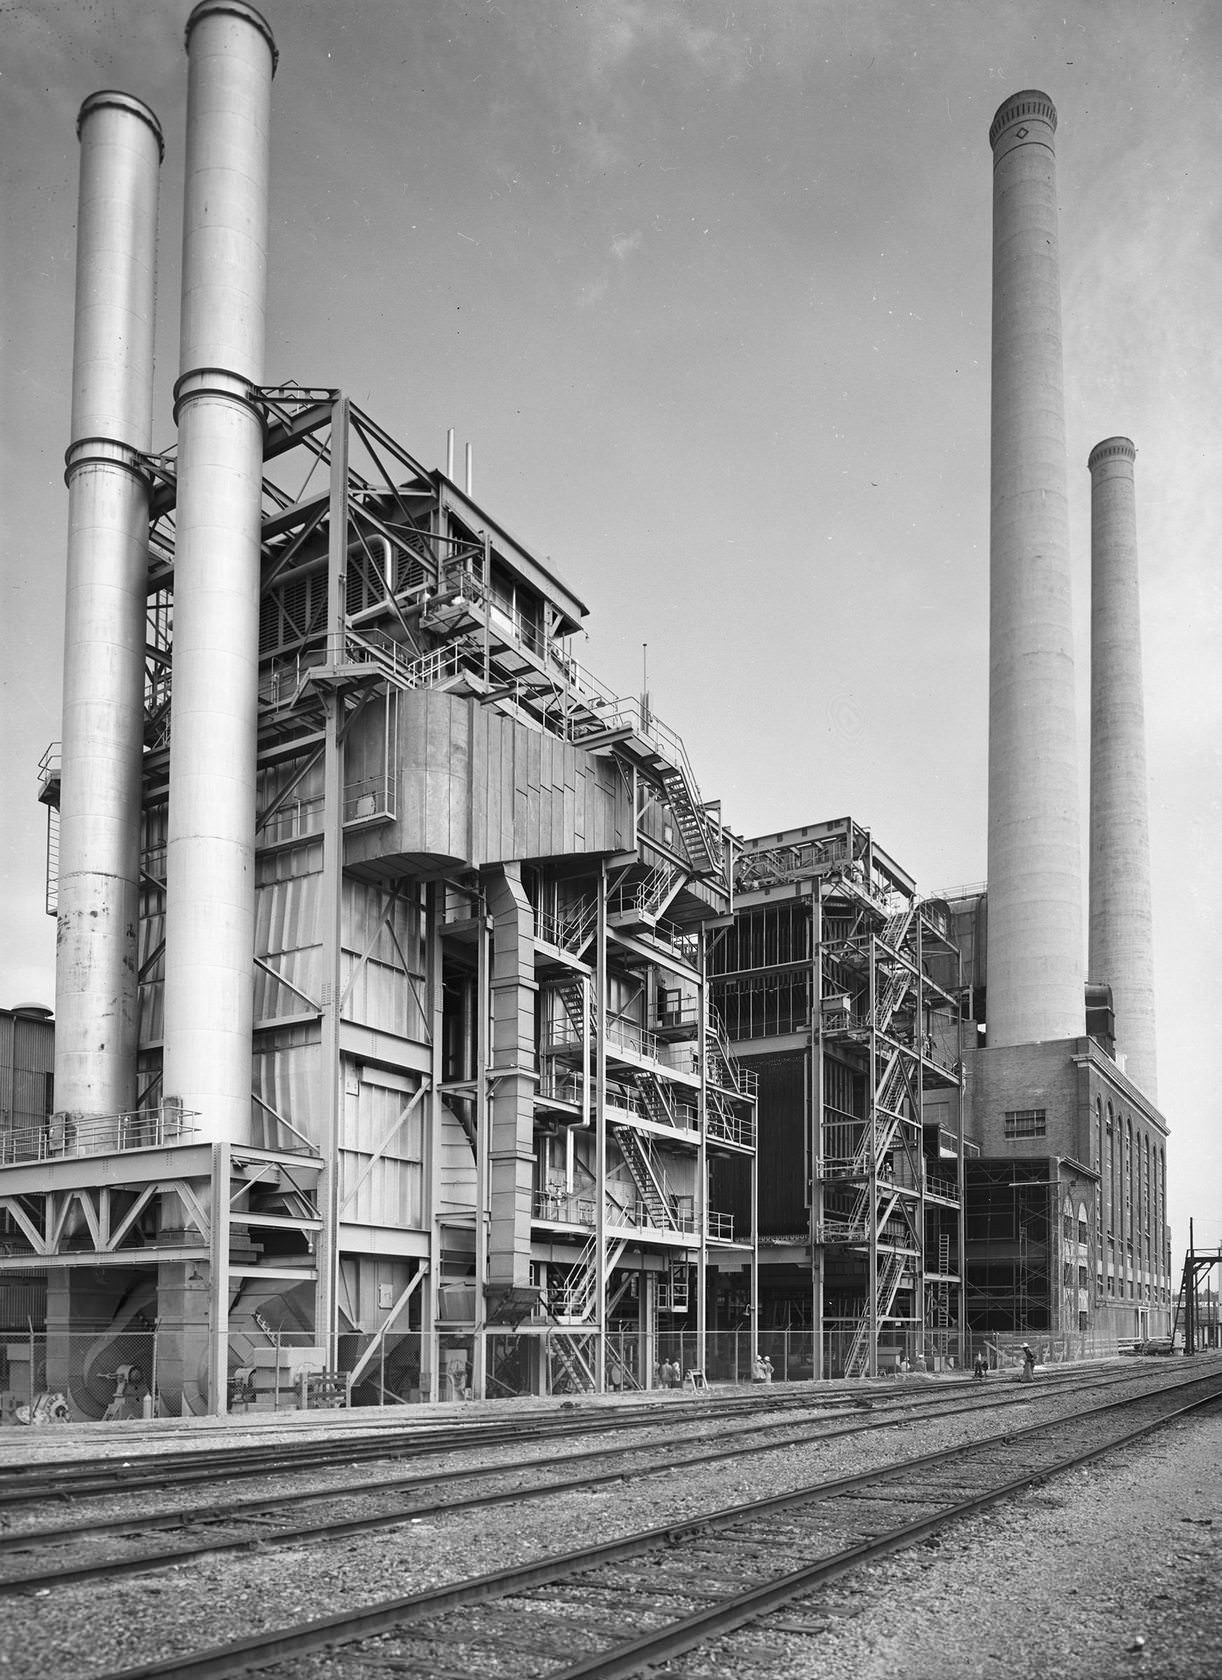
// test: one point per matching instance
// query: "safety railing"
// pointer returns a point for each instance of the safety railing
(66, 1135)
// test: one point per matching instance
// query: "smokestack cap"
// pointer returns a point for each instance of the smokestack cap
(122, 102)
(1111, 448)
(1019, 112)
(239, 9)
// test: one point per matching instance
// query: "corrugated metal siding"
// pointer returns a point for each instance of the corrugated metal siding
(288, 1077)
(385, 990)
(27, 1057)
(287, 940)
(393, 1193)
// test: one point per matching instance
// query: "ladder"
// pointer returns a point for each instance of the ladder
(52, 884)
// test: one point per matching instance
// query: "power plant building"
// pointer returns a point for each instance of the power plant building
(422, 1030)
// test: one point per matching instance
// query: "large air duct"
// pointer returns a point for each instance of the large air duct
(210, 887)
(1121, 922)
(105, 620)
(1035, 960)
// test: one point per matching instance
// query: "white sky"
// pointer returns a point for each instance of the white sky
(706, 285)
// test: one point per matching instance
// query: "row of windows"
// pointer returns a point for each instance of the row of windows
(1026, 1122)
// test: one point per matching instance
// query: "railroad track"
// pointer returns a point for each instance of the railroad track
(345, 1444)
(88, 1477)
(680, 1585)
(48, 1557)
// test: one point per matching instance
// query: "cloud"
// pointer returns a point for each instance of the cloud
(620, 29)
(623, 247)
(595, 292)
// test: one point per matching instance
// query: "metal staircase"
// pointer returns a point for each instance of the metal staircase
(656, 1098)
(890, 1274)
(571, 1372)
(649, 897)
(700, 839)
(577, 1297)
(578, 1005)
(648, 1176)
(575, 926)
(721, 1067)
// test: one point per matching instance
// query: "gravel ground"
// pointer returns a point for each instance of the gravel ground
(1113, 1570)
(1135, 1539)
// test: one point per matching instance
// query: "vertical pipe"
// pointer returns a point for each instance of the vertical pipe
(814, 1124)
(1121, 925)
(107, 586)
(209, 963)
(331, 909)
(470, 471)
(600, 1127)
(1035, 974)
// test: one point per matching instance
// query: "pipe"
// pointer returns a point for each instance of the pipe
(1036, 955)
(96, 996)
(209, 962)
(1121, 921)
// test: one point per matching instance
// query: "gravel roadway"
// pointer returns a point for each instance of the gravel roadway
(1113, 1570)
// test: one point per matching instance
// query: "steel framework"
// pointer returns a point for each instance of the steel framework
(488, 1085)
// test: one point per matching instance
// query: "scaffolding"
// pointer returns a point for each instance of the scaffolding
(831, 957)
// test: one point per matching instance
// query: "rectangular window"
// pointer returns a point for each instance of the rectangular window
(1026, 1122)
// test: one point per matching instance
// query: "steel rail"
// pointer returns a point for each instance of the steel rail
(412, 1438)
(748, 1606)
(32, 1540)
(390, 1616)
(81, 1477)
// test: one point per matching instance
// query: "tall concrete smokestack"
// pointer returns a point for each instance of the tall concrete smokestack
(107, 587)
(211, 823)
(1035, 951)
(1121, 924)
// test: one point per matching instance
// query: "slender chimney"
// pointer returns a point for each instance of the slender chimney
(1121, 924)
(210, 887)
(107, 588)
(1035, 955)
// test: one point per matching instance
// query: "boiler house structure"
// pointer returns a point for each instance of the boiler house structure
(421, 1030)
